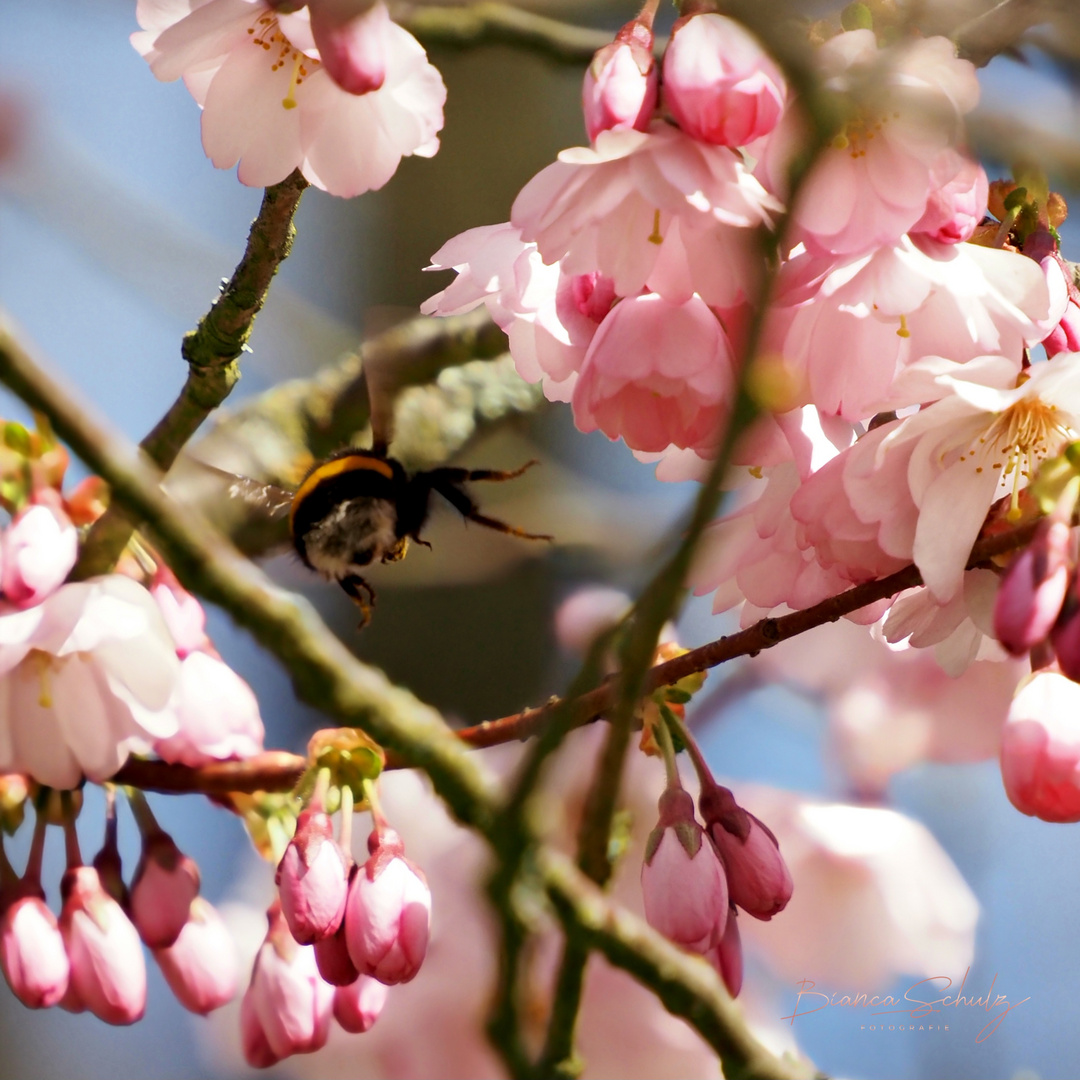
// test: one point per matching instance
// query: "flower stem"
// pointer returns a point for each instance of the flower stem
(71, 837)
(667, 750)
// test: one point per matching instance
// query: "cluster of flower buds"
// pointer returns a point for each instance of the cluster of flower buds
(91, 958)
(340, 934)
(694, 878)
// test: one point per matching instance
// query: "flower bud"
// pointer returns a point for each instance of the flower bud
(200, 966)
(313, 879)
(620, 85)
(954, 210)
(682, 881)
(719, 84)
(166, 882)
(358, 1005)
(1065, 636)
(350, 37)
(727, 957)
(108, 973)
(388, 913)
(333, 960)
(1065, 337)
(1040, 748)
(290, 1002)
(1033, 589)
(183, 614)
(39, 548)
(253, 1040)
(757, 876)
(32, 952)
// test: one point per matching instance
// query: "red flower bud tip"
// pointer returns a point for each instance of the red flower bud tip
(727, 957)
(1034, 588)
(32, 952)
(682, 881)
(351, 42)
(359, 1005)
(388, 913)
(108, 973)
(166, 882)
(758, 878)
(200, 966)
(313, 879)
(333, 961)
(1040, 748)
(620, 87)
(287, 1001)
(719, 84)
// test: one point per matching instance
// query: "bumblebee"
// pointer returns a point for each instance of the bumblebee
(360, 507)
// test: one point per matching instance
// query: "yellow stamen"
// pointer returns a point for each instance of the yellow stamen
(45, 694)
(289, 101)
(903, 331)
(656, 238)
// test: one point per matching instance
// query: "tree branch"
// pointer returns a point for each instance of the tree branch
(211, 351)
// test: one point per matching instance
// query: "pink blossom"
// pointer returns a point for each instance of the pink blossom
(719, 84)
(657, 374)
(1065, 337)
(621, 83)
(682, 880)
(954, 211)
(757, 876)
(165, 885)
(388, 914)
(218, 715)
(872, 185)
(549, 316)
(727, 957)
(313, 879)
(39, 548)
(352, 42)
(1065, 636)
(582, 617)
(1040, 748)
(200, 966)
(85, 678)
(32, 952)
(652, 210)
(849, 326)
(358, 1005)
(183, 615)
(287, 1002)
(1033, 589)
(269, 103)
(108, 973)
(332, 957)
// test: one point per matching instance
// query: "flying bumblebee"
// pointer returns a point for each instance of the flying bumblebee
(360, 507)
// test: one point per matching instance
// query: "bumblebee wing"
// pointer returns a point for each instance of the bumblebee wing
(252, 513)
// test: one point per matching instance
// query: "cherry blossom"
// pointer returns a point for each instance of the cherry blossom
(200, 966)
(621, 83)
(269, 103)
(85, 678)
(653, 210)
(38, 549)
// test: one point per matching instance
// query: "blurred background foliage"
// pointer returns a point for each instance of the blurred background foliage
(114, 231)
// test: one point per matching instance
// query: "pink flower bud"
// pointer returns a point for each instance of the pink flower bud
(289, 1003)
(200, 966)
(1040, 748)
(253, 1040)
(359, 1005)
(351, 39)
(166, 882)
(333, 960)
(108, 973)
(954, 211)
(621, 82)
(313, 879)
(388, 914)
(719, 84)
(1065, 337)
(39, 548)
(682, 881)
(183, 614)
(32, 953)
(1033, 589)
(727, 957)
(757, 876)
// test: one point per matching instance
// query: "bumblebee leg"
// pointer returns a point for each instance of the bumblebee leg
(397, 552)
(437, 477)
(458, 499)
(355, 588)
